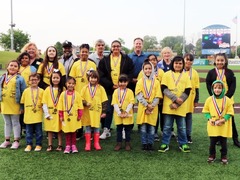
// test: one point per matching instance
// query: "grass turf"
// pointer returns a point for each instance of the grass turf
(108, 164)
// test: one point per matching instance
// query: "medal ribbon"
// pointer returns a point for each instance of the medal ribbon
(179, 77)
(216, 106)
(23, 69)
(92, 92)
(66, 102)
(115, 62)
(54, 100)
(84, 69)
(220, 76)
(121, 98)
(9, 79)
(36, 99)
(49, 69)
(148, 93)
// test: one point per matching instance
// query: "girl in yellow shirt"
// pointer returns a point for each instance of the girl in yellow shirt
(49, 64)
(70, 109)
(122, 101)
(218, 109)
(95, 107)
(176, 86)
(50, 105)
(148, 94)
(12, 86)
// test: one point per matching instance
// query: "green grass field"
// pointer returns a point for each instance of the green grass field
(108, 164)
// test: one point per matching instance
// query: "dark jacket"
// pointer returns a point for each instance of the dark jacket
(104, 70)
(230, 77)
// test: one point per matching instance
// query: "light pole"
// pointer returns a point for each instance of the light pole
(183, 49)
(12, 26)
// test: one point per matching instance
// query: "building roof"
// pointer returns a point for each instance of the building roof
(216, 26)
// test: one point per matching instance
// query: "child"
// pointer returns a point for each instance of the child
(218, 109)
(32, 100)
(12, 86)
(148, 94)
(226, 75)
(46, 68)
(50, 105)
(25, 70)
(158, 74)
(193, 97)
(122, 101)
(176, 86)
(95, 106)
(70, 112)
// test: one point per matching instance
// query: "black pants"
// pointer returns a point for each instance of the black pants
(223, 143)
(234, 130)
(127, 129)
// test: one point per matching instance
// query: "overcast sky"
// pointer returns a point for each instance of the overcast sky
(84, 21)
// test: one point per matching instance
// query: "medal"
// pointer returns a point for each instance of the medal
(115, 63)
(66, 102)
(68, 119)
(54, 99)
(121, 98)
(220, 76)
(82, 80)
(176, 81)
(8, 79)
(34, 101)
(219, 112)
(92, 91)
(83, 70)
(49, 69)
(148, 93)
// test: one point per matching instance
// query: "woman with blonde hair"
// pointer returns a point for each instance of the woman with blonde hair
(32, 50)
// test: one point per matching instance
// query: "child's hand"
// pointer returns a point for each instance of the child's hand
(179, 101)
(79, 118)
(173, 106)
(48, 118)
(103, 115)
(212, 122)
(220, 122)
(21, 111)
(148, 112)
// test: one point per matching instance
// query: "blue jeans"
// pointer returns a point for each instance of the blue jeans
(109, 114)
(188, 120)
(89, 129)
(167, 129)
(38, 133)
(147, 133)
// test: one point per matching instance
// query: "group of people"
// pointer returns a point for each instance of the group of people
(93, 90)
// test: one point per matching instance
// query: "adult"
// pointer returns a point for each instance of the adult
(137, 56)
(110, 68)
(164, 64)
(221, 72)
(68, 57)
(98, 55)
(32, 50)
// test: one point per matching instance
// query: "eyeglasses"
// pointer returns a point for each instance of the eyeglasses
(116, 46)
(33, 80)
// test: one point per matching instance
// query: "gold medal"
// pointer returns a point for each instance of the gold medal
(82, 80)
(68, 119)
(55, 111)
(34, 110)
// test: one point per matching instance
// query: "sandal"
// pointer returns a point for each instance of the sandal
(50, 148)
(59, 148)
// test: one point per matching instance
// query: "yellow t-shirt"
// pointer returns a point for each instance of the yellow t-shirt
(142, 117)
(53, 124)
(129, 99)
(79, 70)
(91, 115)
(177, 89)
(32, 113)
(70, 123)
(25, 73)
(115, 68)
(226, 129)
(48, 71)
(8, 104)
(194, 77)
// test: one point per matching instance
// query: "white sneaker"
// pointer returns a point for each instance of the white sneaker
(106, 133)
(15, 145)
(5, 144)
(123, 134)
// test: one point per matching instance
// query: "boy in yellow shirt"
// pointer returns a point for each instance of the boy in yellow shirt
(33, 114)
